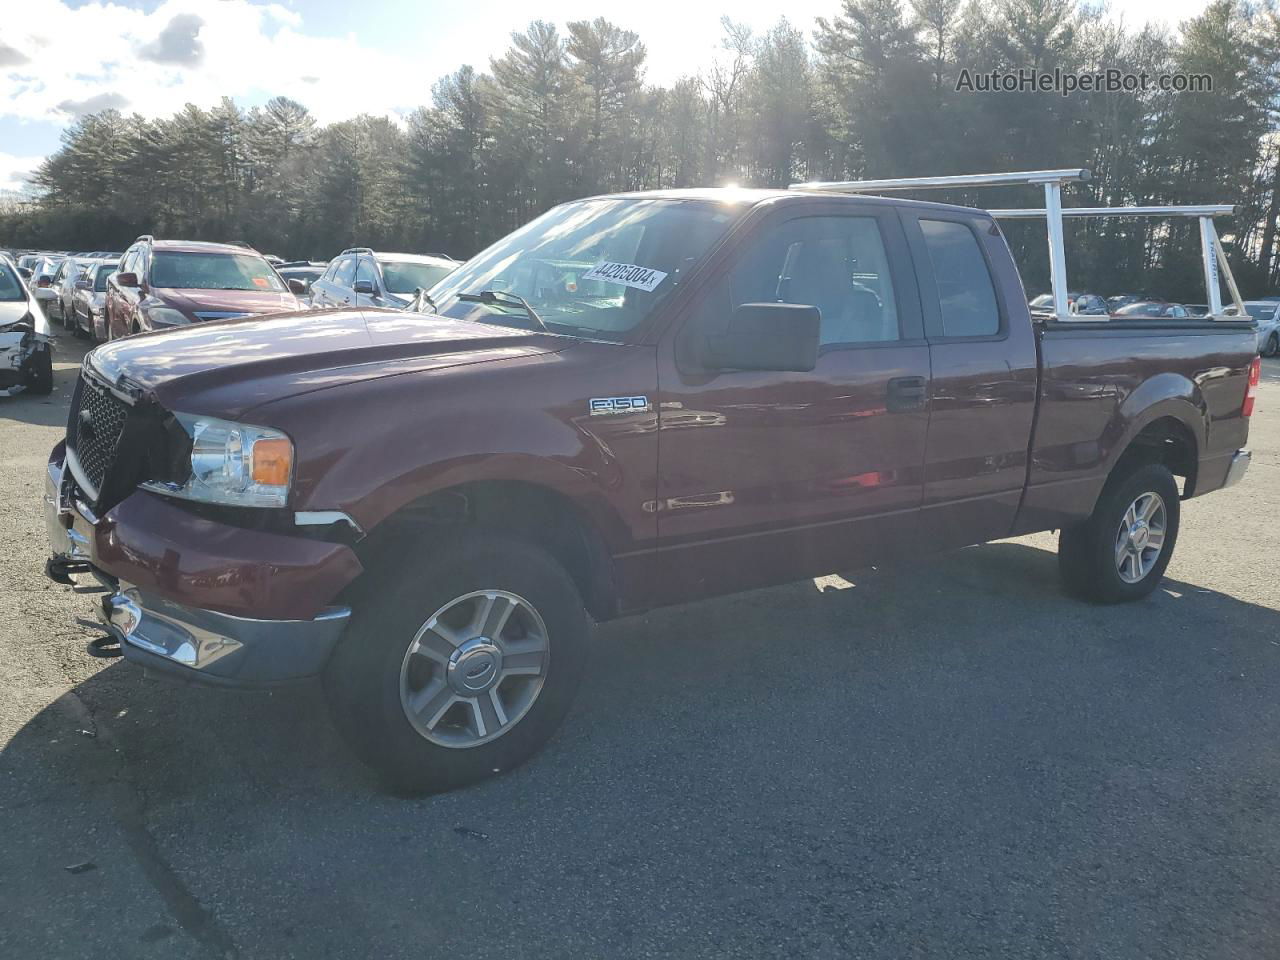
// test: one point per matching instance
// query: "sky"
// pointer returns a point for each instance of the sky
(64, 58)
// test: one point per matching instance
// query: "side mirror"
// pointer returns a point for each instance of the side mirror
(363, 286)
(128, 279)
(84, 284)
(765, 336)
(296, 286)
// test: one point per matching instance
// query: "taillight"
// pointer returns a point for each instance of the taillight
(1251, 391)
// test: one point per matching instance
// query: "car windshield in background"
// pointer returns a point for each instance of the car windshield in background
(595, 268)
(100, 278)
(1044, 300)
(213, 271)
(402, 276)
(10, 285)
(305, 274)
(1260, 311)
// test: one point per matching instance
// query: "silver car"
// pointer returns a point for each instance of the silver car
(1266, 318)
(64, 288)
(88, 306)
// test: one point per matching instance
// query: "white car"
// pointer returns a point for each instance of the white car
(1266, 317)
(64, 288)
(26, 342)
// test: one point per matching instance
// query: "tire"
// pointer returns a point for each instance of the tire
(39, 373)
(1273, 345)
(372, 673)
(78, 331)
(1094, 561)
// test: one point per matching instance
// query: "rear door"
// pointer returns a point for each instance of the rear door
(766, 476)
(983, 357)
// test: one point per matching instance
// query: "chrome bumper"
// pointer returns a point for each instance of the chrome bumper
(1239, 467)
(197, 645)
(217, 648)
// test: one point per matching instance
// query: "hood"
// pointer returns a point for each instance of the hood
(11, 311)
(229, 301)
(225, 367)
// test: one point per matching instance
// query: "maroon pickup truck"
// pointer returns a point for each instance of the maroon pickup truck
(632, 401)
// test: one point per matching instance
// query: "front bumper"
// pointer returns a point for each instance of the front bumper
(202, 600)
(215, 648)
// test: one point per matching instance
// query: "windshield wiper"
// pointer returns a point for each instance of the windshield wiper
(502, 296)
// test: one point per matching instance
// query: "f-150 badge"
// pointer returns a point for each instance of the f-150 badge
(600, 406)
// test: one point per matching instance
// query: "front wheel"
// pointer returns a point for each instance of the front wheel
(461, 667)
(1120, 553)
(38, 375)
(1273, 345)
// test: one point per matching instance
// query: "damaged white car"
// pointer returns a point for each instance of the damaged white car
(26, 342)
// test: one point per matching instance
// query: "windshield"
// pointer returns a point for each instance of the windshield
(305, 274)
(404, 277)
(1044, 300)
(100, 278)
(213, 271)
(1260, 311)
(10, 285)
(595, 268)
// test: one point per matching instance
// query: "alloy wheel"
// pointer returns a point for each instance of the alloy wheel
(474, 668)
(1140, 537)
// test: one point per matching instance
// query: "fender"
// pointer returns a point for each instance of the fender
(1164, 395)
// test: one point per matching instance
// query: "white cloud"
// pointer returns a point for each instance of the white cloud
(192, 51)
(15, 170)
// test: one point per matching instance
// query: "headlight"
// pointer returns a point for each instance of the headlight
(234, 464)
(166, 317)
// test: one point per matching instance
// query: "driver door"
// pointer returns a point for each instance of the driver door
(772, 476)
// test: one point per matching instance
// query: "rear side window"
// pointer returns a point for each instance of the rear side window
(966, 294)
(365, 272)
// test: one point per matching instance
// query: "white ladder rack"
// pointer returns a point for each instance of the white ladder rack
(1214, 261)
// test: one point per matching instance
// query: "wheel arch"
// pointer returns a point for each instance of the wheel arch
(1171, 432)
(527, 509)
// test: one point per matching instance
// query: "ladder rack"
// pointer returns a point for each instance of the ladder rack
(1214, 261)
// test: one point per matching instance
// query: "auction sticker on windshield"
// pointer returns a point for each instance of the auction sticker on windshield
(627, 274)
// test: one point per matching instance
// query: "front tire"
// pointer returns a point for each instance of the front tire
(39, 373)
(461, 667)
(1273, 345)
(1120, 553)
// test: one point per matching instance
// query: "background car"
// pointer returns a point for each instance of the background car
(1089, 305)
(42, 274)
(304, 271)
(162, 284)
(1266, 317)
(88, 306)
(1125, 299)
(26, 358)
(1197, 309)
(64, 288)
(359, 277)
(1152, 309)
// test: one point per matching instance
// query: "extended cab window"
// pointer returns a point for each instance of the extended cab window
(837, 264)
(966, 294)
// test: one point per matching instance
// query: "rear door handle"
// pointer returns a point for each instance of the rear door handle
(905, 393)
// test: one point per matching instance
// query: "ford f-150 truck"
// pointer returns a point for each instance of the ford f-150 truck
(632, 401)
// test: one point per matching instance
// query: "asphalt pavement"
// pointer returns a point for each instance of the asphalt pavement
(950, 759)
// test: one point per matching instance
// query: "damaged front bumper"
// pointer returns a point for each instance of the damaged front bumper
(183, 639)
(20, 351)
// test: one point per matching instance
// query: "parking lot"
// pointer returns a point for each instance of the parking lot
(945, 759)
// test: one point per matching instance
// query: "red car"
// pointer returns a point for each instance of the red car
(172, 283)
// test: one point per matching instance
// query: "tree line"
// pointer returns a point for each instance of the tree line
(870, 91)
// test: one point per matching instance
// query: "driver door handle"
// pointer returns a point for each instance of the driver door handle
(906, 393)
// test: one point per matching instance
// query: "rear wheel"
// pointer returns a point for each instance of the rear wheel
(461, 667)
(1273, 345)
(1120, 553)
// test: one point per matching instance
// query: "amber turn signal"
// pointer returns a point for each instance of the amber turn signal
(272, 461)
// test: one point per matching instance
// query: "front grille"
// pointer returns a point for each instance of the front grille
(93, 432)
